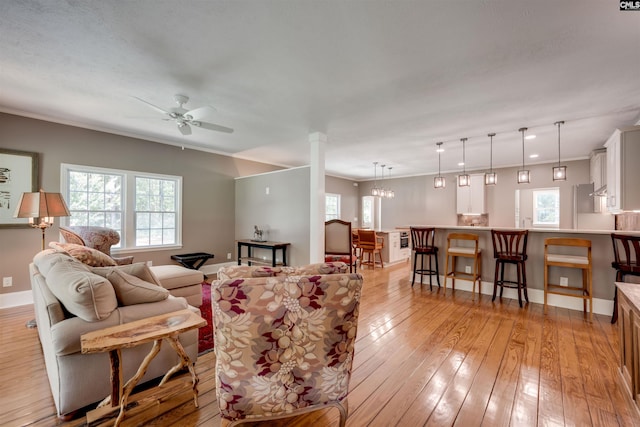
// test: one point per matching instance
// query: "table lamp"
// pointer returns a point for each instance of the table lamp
(41, 208)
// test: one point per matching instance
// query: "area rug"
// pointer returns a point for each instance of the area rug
(205, 334)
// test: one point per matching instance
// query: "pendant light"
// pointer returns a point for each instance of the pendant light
(559, 172)
(390, 193)
(375, 191)
(464, 180)
(439, 181)
(491, 178)
(524, 177)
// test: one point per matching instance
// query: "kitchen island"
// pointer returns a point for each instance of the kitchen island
(602, 256)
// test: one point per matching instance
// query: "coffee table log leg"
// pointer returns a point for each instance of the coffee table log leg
(185, 361)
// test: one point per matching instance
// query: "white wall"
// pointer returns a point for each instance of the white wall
(283, 213)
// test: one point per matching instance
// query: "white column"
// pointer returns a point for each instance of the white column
(317, 142)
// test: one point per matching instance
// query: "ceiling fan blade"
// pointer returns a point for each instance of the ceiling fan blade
(200, 113)
(184, 128)
(211, 126)
(155, 107)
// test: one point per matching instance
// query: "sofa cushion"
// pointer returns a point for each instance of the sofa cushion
(84, 254)
(81, 292)
(131, 290)
(47, 258)
(138, 269)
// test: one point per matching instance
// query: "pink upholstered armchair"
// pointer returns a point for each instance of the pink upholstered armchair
(99, 238)
(284, 344)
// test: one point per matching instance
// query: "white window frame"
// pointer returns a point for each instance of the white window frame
(544, 191)
(128, 234)
(328, 196)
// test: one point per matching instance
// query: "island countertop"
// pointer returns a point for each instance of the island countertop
(531, 230)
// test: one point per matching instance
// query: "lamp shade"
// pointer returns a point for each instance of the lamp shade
(41, 205)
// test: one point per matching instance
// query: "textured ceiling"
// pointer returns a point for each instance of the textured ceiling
(385, 80)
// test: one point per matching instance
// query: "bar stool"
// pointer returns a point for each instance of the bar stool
(570, 261)
(455, 249)
(510, 247)
(627, 266)
(371, 244)
(422, 244)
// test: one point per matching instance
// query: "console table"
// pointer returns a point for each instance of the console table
(272, 246)
(113, 339)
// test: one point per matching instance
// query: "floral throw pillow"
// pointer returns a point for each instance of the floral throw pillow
(84, 254)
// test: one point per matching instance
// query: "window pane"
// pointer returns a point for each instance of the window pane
(156, 198)
(546, 207)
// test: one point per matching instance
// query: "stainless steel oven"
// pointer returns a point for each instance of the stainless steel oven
(404, 239)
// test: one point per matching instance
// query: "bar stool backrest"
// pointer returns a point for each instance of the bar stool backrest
(626, 253)
(510, 245)
(422, 237)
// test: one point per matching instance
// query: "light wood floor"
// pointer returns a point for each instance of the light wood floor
(422, 358)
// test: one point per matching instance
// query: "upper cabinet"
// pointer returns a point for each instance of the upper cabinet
(472, 199)
(623, 170)
(598, 176)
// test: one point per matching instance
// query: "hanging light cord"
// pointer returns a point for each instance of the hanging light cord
(491, 135)
(558, 124)
(464, 161)
(522, 130)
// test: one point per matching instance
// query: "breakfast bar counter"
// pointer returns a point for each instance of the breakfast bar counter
(602, 256)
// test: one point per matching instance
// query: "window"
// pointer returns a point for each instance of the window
(546, 207)
(332, 206)
(367, 211)
(144, 208)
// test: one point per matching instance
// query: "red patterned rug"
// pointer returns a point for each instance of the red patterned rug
(205, 334)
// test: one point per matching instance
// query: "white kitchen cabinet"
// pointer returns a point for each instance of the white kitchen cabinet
(598, 176)
(623, 172)
(392, 251)
(472, 199)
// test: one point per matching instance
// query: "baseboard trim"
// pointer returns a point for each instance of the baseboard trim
(15, 299)
(600, 306)
(212, 269)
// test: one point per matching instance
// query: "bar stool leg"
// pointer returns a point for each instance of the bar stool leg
(415, 261)
(524, 281)
(435, 255)
(495, 281)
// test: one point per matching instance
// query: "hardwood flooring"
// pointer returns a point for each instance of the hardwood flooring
(422, 358)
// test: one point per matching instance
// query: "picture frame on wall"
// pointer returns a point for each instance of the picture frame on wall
(18, 174)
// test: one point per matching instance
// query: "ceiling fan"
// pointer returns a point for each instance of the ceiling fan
(186, 118)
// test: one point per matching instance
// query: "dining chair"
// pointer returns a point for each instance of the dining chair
(338, 243)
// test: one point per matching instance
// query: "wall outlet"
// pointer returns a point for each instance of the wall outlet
(228, 255)
(149, 263)
(467, 269)
(564, 281)
(7, 281)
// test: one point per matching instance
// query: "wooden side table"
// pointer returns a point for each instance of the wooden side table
(166, 326)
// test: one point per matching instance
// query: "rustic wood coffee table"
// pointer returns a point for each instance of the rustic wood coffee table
(166, 326)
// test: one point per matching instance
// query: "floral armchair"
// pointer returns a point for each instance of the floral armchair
(100, 238)
(284, 344)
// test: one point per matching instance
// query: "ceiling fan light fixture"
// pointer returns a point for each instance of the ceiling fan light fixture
(559, 172)
(524, 176)
(439, 181)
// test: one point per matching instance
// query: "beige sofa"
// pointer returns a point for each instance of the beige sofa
(88, 299)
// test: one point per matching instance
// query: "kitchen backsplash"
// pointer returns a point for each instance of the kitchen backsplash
(628, 221)
(474, 220)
